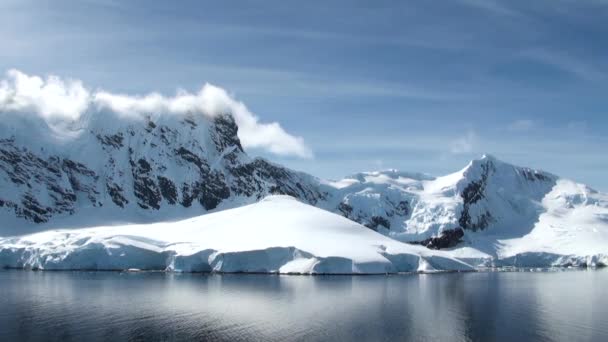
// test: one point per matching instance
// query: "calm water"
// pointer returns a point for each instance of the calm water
(63, 306)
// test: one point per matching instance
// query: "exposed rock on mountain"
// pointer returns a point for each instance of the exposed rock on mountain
(448, 238)
(144, 165)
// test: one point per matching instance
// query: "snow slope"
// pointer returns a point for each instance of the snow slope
(278, 234)
(572, 230)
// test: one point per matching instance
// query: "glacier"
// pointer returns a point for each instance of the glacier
(276, 235)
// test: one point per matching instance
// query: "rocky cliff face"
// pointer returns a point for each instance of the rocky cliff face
(150, 166)
(492, 190)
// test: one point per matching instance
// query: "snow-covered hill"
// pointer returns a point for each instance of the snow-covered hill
(278, 234)
(109, 169)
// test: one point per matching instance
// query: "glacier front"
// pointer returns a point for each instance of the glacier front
(276, 235)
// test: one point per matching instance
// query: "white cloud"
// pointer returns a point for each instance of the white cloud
(577, 127)
(521, 125)
(464, 144)
(58, 100)
(496, 7)
(52, 98)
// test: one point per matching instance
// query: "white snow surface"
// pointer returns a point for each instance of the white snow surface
(276, 235)
(571, 230)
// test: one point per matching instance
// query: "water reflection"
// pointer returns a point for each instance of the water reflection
(154, 306)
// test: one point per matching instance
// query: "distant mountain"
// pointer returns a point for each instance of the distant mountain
(490, 213)
(487, 195)
(105, 170)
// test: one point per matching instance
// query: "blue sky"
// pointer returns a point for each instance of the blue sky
(418, 86)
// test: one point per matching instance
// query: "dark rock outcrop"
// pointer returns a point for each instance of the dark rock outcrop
(114, 140)
(167, 189)
(225, 134)
(49, 186)
(448, 238)
(377, 221)
(145, 188)
(473, 193)
(117, 194)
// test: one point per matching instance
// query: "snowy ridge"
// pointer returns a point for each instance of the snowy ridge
(277, 235)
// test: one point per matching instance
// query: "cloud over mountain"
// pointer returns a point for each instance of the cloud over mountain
(59, 101)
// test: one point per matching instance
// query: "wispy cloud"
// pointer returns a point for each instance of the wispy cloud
(577, 127)
(579, 67)
(301, 84)
(496, 7)
(521, 125)
(464, 144)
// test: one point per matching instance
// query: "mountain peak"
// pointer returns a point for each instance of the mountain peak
(488, 157)
(489, 165)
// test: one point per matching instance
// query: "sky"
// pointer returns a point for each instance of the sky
(411, 85)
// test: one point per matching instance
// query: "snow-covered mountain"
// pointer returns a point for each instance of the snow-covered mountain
(487, 195)
(139, 169)
(490, 213)
(107, 169)
(277, 234)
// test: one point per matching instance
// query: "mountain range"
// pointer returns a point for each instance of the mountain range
(105, 170)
